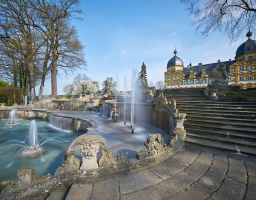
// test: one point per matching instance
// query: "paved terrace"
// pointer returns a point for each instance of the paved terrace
(193, 173)
(118, 136)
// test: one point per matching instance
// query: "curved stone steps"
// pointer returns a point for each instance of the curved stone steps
(218, 105)
(202, 102)
(221, 146)
(252, 113)
(225, 123)
(209, 122)
(227, 139)
(223, 118)
(226, 107)
(231, 116)
(239, 130)
(222, 133)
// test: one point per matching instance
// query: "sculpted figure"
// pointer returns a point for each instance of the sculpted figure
(219, 73)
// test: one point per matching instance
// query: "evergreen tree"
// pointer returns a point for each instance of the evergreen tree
(143, 75)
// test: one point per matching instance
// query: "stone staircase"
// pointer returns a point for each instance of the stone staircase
(222, 125)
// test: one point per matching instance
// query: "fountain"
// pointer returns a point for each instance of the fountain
(125, 100)
(133, 100)
(12, 117)
(85, 107)
(111, 115)
(34, 148)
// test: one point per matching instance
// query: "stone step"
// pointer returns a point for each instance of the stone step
(219, 105)
(222, 133)
(250, 113)
(215, 102)
(232, 116)
(227, 139)
(221, 146)
(223, 118)
(227, 128)
(222, 122)
(235, 109)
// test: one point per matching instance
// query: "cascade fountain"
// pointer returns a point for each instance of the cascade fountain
(34, 148)
(12, 118)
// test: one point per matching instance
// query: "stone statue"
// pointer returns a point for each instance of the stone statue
(88, 146)
(219, 74)
(26, 175)
(154, 146)
(216, 90)
(72, 162)
(106, 159)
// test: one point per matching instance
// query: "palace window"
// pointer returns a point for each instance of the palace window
(189, 82)
(241, 78)
(181, 75)
(204, 73)
(186, 82)
(232, 79)
(176, 76)
(249, 78)
(181, 83)
(233, 69)
(250, 58)
(171, 76)
(244, 68)
(241, 68)
(192, 82)
(249, 68)
(244, 78)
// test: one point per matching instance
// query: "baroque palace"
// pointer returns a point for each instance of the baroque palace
(242, 70)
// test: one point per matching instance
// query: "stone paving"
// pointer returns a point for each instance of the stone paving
(193, 173)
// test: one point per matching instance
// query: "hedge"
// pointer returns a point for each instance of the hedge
(11, 95)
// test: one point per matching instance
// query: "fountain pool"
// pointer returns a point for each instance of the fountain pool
(14, 140)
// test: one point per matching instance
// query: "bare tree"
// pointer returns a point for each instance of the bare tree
(64, 47)
(16, 20)
(230, 16)
(159, 85)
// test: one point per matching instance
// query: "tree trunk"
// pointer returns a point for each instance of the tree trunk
(15, 82)
(42, 85)
(54, 73)
(45, 70)
(31, 81)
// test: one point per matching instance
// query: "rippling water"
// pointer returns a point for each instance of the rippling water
(14, 139)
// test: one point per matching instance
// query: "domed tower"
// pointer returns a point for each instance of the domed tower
(174, 73)
(243, 72)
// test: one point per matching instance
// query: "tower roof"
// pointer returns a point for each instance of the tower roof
(247, 47)
(175, 60)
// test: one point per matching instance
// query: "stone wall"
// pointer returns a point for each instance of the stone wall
(56, 120)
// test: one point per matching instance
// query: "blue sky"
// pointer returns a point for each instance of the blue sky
(118, 35)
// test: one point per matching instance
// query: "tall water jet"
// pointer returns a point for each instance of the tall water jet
(133, 99)
(12, 118)
(33, 134)
(111, 115)
(125, 100)
(34, 149)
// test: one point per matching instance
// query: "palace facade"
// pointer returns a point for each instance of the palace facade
(242, 70)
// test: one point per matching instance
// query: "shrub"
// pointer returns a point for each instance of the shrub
(11, 95)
